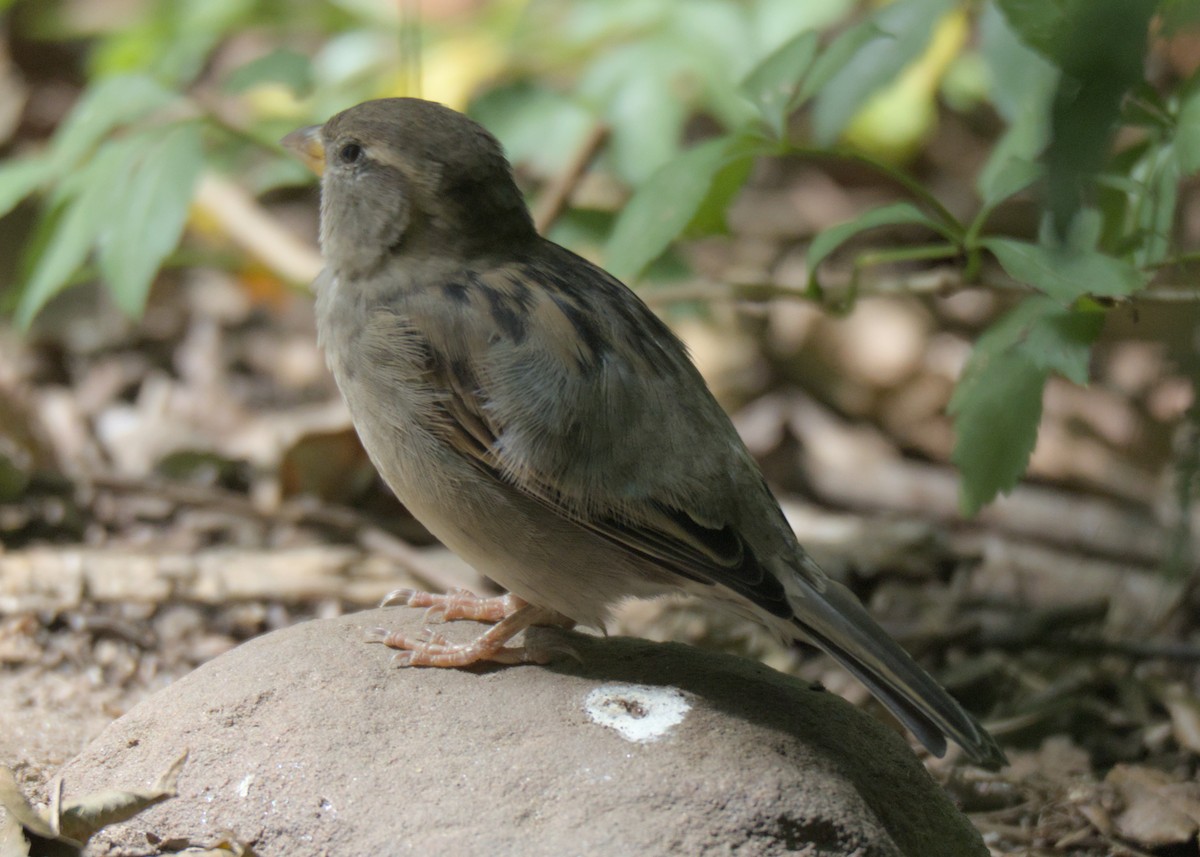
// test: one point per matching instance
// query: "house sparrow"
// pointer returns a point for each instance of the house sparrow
(538, 418)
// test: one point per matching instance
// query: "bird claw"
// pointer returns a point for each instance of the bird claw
(564, 650)
(398, 595)
(546, 646)
(376, 635)
(433, 640)
(510, 614)
(439, 652)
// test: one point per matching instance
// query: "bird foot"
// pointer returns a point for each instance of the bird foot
(438, 652)
(510, 614)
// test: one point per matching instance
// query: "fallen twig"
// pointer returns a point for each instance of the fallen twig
(553, 200)
(247, 224)
(305, 511)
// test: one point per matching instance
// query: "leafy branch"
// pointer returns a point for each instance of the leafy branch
(139, 158)
(1106, 229)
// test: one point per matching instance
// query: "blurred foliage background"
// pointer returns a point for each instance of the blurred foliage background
(1044, 151)
(938, 258)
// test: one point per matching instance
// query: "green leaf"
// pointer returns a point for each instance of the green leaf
(835, 57)
(1155, 205)
(1145, 107)
(1042, 24)
(998, 400)
(710, 216)
(1100, 48)
(904, 30)
(1064, 273)
(1187, 134)
(1005, 175)
(148, 223)
(668, 202)
(774, 85)
(175, 41)
(1022, 86)
(539, 128)
(105, 105)
(1178, 15)
(1022, 80)
(996, 408)
(1083, 232)
(776, 21)
(896, 214)
(1062, 341)
(1102, 54)
(1052, 337)
(21, 177)
(644, 112)
(282, 65)
(78, 222)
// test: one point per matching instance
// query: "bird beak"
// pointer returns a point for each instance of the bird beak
(306, 145)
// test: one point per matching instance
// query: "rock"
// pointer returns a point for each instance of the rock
(308, 741)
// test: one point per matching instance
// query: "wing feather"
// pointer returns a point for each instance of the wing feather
(598, 409)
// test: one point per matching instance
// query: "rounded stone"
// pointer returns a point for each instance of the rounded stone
(307, 741)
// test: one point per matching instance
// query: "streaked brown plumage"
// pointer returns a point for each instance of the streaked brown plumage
(539, 419)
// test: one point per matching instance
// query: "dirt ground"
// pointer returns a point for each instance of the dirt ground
(193, 482)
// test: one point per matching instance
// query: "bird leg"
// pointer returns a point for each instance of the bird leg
(511, 616)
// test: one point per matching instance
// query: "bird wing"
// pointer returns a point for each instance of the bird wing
(552, 378)
(558, 381)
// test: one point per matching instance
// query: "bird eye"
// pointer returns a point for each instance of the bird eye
(351, 153)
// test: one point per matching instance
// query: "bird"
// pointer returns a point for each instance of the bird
(536, 416)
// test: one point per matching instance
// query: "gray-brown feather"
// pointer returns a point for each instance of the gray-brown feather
(541, 421)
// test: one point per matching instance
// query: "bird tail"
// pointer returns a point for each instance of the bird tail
(833, 618)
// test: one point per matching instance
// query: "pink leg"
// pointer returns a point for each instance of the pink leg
(434, 650)
(511, 615)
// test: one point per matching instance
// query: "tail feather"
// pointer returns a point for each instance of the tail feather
(833, 619)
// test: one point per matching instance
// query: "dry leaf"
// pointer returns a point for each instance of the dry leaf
(12, 838)
(82, 818)
(1159, 810)
(63, 831)
(1098, 817)
(1184, 709)
(18, 807)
